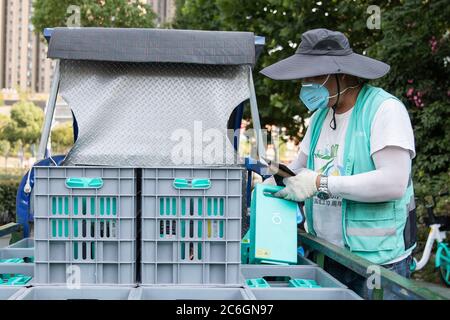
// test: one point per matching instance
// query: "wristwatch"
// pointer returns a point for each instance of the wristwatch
(323, 192)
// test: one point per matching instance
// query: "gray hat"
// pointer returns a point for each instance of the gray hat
(325, 52)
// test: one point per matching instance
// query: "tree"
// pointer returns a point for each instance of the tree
(93, 13)
(2, 99)
(282, 22)
(5, 148)
(22, 93)
(4, 120)
(5, 145)
(62, 138)
(414, 40)
(416, 44)
(25, 125)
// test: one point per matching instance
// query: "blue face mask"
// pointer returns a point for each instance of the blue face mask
(315, 96)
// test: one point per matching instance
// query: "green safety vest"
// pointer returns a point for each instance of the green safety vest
(382, 231)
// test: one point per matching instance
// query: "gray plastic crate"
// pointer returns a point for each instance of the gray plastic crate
(27, 243)
(191, 236)
(85, 231)
(10, 293)
(190, 293)
(25, 268)
(304, 294)
(305, 261)
(279, 276)
(84, 293)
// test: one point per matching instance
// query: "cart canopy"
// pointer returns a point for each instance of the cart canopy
(145, 97)
(153, 45)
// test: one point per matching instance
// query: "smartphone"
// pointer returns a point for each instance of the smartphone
(279, 169)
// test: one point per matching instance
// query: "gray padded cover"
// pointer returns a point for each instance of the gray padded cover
(153, 45)
(128, 112)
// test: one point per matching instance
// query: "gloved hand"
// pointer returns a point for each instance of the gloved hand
(300, 187)
(270, 181)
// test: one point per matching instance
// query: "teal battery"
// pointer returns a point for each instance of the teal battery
(245, 248)
(273, 227)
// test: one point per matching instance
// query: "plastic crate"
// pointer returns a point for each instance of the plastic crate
(191, 231)
(9, 293)
(14, 279)
(301, 260)
(280, 276)
(303, 294)
(303, 283)
(17, 261)
(191, 293)
(85, 225)
(84, 293)
(27, 243)
(257, 283)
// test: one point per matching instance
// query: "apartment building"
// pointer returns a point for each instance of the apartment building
(23, 53)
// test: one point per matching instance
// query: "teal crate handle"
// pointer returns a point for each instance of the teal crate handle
(192, 184)
(84, 183)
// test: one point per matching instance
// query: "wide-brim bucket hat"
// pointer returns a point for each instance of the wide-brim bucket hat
(323, 52)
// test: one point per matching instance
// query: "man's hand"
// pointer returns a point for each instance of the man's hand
(270, 181)
(301, 187)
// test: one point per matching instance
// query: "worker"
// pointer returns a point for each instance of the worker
(354, 166)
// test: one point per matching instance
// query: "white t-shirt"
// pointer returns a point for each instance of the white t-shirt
(391, 127)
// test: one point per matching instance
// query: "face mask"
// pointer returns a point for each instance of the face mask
(315, 96)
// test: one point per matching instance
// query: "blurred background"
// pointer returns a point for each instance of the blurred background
(410, 35)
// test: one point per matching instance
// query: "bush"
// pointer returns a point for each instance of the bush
(8, 192)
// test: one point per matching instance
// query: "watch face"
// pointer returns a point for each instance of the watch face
(323, 195)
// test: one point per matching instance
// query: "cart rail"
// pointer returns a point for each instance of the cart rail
(411, 290)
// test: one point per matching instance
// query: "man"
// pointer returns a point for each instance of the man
(354, 164)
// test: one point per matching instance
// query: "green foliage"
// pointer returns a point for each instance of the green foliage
(2, 99)
(62, 138)
(25, 125)
(23, 94)
(416, 44)
(5, 147)
(414, 40)
(282, 22)
(422, 80)
(8, 191)
(4, 120)
(93, 13)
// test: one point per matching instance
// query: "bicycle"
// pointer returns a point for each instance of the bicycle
(439, 225)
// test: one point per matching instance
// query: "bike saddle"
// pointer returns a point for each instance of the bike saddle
(444, 221)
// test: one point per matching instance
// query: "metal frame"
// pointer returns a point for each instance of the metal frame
(9, 228)
(51, 103)
(49, 114)
(410, 289)
(435, 235)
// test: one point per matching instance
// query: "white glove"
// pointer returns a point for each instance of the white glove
(270, 181)
(300, 187)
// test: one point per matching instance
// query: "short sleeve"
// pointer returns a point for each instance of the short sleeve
(391, 126)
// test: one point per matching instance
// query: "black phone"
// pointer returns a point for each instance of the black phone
(279, 171)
